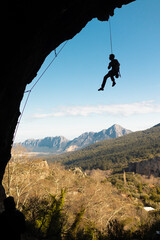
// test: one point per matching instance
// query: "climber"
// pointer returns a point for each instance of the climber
(114, 72)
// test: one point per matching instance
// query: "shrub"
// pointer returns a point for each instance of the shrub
(115, 231)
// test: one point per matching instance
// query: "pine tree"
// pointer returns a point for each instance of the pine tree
(51, 222)
(71, 235)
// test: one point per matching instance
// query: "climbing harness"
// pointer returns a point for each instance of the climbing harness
(114, 64)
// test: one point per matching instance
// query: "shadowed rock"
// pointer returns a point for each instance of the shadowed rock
(30, 31)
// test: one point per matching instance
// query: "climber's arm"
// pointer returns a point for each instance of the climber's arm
(109, 66)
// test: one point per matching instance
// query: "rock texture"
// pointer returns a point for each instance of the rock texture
(148, 168)
(61, 144)
(30, 30)
(2, 197)
(47, 144)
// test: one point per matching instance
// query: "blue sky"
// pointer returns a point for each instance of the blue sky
(66, 101)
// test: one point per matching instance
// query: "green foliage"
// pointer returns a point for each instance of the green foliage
(51, 224)
(155, 197)
(89, 233)
(72, 232)
(115, 231)
(144, 197)
(49, 220)
(56, 218)
(115, 153)
(137, 188)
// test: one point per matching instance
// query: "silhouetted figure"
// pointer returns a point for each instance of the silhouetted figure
(114, 72)
(12, 221)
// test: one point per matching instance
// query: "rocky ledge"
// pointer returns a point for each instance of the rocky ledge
(148, 167)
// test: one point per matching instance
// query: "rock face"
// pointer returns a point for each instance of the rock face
(148, 168)
(61, 144)
(30, 31)
(47, 144)
(89, 138)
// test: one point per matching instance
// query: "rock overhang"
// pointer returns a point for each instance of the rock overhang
(30, 31)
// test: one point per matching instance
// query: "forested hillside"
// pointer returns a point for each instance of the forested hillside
(115, 153)
(61, 204)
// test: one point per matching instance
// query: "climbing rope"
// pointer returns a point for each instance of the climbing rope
(110, 34)
(29, 91)
(25, 104)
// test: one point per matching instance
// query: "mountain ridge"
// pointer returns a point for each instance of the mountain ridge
(115, 153)
(60, 144)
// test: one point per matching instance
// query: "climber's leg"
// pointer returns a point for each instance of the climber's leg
(104, 82)
(113, 81)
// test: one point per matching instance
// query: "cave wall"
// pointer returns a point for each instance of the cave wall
(30, 30)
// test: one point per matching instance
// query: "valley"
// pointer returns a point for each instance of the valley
(114, 153)
(106, 190)
(77, 204)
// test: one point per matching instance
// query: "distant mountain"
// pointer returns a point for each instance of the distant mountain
(158, 125)
(89, 138)
(60, 144)
(115, 153)
(47, 144)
